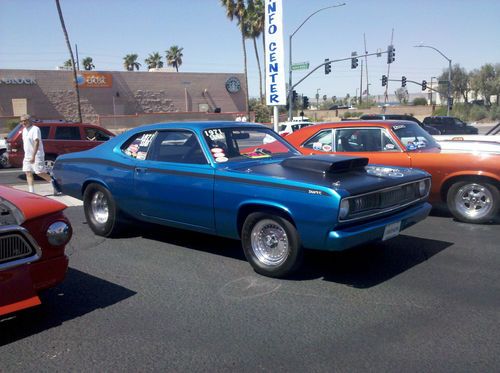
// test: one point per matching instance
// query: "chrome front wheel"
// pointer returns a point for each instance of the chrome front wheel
(99, 207)
(271, 244)
(101, 211)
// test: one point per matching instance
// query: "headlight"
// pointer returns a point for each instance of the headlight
(423, 187)
(344, 209)
(59, 233)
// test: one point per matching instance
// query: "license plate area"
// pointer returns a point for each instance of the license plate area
(391, 230)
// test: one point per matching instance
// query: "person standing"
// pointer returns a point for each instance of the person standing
(34, 156)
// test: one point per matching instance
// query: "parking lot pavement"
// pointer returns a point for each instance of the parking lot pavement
(45, 189)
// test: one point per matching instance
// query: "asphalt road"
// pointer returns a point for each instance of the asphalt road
(170, 300)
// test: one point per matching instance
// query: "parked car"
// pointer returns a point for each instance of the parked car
(469, 183)
(286, 128)
(220, 178)
(33, 235)
(58, 137)
(450, 126)
(433, 131)
(4, 158)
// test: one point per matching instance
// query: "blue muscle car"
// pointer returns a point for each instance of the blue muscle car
(242, 181)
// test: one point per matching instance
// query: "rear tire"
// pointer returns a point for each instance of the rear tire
(473, 201)
(49, 163)
(101, 211)
(271, 244)
(4, 159)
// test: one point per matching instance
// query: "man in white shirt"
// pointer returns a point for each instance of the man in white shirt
(34, 156)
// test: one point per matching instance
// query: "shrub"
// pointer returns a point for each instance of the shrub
(477, 113)
(420, 101)
(352, 114)
(495, 112)
(11, 123)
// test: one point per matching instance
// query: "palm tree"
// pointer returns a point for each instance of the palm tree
(255, 28)
(87, 63)
(154, 61)
(130, 62)
(174, 56)
(65, 32)
(236, 9)
(68, 65)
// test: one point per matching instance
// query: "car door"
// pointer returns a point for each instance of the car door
(174, 182)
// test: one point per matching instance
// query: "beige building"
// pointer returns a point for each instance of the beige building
(50, 94)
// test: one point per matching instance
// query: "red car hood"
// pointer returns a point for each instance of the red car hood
(29, 204)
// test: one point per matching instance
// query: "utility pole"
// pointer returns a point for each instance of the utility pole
(77, 59)
(386, 97)
(366, 67)
(361, 84)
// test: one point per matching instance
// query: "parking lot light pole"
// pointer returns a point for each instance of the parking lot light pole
(290, 103)
(449, 71)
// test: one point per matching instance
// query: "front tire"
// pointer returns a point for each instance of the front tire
(473, 201)
(101, 211)
(271, 244)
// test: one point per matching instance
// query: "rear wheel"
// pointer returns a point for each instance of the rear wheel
(101, 211)
(473, 201)
(271, 244)
(4, 159)
(49, 163)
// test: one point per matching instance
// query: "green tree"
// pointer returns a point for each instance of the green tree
(460, 83)
(130, 62)
(68, 64)
(487, 82)
(154, 61)
(254, 28)
(237, 10)
(72, 59)
(174, 57)
(88, 63)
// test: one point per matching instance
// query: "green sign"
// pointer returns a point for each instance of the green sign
(300, 66)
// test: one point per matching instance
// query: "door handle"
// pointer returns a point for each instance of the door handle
(140, 170)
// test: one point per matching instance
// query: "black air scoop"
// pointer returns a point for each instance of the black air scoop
(325, 163)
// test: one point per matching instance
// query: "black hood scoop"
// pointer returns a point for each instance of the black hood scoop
(325, 163)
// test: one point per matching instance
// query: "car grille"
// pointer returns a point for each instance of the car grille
(16, 246)
(383, 201)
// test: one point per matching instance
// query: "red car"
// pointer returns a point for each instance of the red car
(468, 183)
(33, 236)
(59, 137)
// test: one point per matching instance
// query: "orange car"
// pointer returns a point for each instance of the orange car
(468, 182)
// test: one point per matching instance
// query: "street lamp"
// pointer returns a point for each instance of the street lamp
(449, 71)
(290, 103)
(317, 98)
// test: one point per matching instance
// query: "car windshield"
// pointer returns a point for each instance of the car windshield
(237, 144)
(14, 131)
(414, 137)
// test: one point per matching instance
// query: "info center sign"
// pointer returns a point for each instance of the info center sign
(275, 56)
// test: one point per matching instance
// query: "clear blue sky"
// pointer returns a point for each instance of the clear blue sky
(106, 30)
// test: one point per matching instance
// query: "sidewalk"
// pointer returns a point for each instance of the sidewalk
(45, 189)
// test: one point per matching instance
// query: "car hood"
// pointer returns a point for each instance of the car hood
(331, 171)
(17, 206)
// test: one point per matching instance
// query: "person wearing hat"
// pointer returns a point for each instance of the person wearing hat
(34, 156)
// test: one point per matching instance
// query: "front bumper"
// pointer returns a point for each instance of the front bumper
(342, 239)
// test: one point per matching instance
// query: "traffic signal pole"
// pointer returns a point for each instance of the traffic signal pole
(291, 88)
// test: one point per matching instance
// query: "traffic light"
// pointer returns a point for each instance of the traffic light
(424, 85)
(384, 80)
(305, 102)
(451, 103)
(328, 66)
(403, 81)
(391, 54)
(294, 95)
(354, 60)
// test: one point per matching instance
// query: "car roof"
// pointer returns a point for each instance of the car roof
(198, 125)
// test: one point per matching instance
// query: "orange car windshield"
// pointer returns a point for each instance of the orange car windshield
(414, 137)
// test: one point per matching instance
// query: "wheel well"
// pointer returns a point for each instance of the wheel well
(447, 185)
(88, 182)
(251, 208)
(51, 156)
